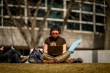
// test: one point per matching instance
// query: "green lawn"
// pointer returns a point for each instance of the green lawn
(55, 68)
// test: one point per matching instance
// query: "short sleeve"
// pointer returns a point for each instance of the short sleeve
(46, 41)
(63, 41)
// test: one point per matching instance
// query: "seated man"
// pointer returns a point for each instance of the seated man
(55, 40)
(11, 56)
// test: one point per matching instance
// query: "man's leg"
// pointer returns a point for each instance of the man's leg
(62, 57)
(1, 56)
(9, 56)
(1, 53)
(9, 53)
(15, 58)
(47, 56)
(66, 55)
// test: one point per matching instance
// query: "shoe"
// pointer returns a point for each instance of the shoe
(23, 59)
(79, 60)
(48, 61)
(69, 60)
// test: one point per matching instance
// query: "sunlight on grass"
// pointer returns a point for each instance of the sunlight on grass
(55, 68)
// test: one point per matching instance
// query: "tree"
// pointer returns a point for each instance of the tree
(28, 33)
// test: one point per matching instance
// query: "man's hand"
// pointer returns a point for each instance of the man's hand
(2, 48)
(52, 44)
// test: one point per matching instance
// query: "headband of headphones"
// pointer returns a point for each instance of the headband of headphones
(55, 28)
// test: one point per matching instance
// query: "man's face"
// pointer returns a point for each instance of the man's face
(55, 33)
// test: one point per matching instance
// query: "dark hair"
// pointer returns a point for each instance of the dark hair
(55, 28)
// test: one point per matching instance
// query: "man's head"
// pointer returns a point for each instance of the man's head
(55, 31)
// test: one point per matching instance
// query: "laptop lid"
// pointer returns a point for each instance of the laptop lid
(55, 50)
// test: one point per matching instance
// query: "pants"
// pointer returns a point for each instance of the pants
(10, 56)
(58, 59)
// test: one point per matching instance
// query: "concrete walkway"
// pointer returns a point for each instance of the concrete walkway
(92, 56)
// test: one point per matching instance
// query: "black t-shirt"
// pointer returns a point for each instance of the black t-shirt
(58, 41)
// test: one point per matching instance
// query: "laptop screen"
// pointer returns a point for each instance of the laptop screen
(55, 50)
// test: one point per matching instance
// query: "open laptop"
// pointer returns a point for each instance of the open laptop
(55, 50)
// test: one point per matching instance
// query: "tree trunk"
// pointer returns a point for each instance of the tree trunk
(107, 33)
(107, 28)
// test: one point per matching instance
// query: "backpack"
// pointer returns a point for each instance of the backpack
(35, 57)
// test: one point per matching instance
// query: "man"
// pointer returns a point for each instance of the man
(11, 56)
(55, 40)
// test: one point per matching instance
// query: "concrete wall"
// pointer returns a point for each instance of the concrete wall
(9, 36)
(89, 40)
(92, 56)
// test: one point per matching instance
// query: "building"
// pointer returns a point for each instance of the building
(86, 21)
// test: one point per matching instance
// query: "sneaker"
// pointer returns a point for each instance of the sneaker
(79, 60)
(69, 60)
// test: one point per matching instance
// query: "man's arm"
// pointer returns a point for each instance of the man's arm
(45, 48)
(1, 50)
(64, 48)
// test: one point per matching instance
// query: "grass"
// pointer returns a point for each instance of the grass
(55, 68)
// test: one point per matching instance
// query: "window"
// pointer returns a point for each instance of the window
(4, 11)
(87, 17)
(74, 16)
(51, 23)
(16, 2)
(0, 21)
(87, 7)
(41, 12)
(37, 24)
(75, 6)
(73, 26)
(99, 29)
(80, 18)
(0, 1)
(17, 11)
(7, 22)
(84, 0)
(99, 9)
(55, 14)
(99, 19)
(89, 0)
(99, 1)
(0, 10)
(87, 27)
(34, 2)
(56, 3)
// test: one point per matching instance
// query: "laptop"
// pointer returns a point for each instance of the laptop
(55, 50)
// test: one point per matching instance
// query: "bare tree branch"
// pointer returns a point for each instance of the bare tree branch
(23, 32)
(40, 31)
(33, 25)
(70, 6)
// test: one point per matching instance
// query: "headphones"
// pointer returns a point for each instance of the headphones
(55, 28)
